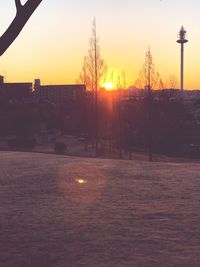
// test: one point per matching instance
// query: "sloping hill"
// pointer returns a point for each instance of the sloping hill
(64, 211)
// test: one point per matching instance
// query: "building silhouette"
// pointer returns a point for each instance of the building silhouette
(60, 94)
(15, 91)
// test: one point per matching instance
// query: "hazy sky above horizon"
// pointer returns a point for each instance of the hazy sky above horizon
(53, 43)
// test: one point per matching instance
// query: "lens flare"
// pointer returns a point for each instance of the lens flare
(81, 184)
(81, 181)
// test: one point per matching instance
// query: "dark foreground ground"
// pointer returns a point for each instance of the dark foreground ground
(63, 211)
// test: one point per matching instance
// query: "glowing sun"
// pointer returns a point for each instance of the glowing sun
(108, 86)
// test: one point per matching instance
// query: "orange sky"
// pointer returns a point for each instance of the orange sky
(55, 40)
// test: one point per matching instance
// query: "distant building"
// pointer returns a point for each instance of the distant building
(37, 84)
(61, 94)
(1, 79)
(15, 91)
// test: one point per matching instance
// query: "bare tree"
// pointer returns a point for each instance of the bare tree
(149, 75)
(94, 66)
(149, 78)
(84, 77)
(172, 82)
(146, 73)
(23, 13)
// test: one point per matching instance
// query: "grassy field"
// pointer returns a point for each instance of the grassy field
(65, 211)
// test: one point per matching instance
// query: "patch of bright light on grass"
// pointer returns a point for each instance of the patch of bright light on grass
(81, 181)
(81, 184)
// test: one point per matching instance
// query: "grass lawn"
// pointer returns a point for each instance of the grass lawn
(66, 211)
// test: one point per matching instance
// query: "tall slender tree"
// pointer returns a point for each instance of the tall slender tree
(150, 79)
(149, 67)
(143, 77)
(94, 67)
(94, 51)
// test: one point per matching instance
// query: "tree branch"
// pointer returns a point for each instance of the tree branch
(23, 14)
(18, 5)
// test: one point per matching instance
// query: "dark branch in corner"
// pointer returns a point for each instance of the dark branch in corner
(18, 5)
(23, 14)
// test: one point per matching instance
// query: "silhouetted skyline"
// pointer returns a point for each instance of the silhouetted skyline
(55, 40)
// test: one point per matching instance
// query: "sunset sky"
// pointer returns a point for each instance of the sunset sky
(53, 43)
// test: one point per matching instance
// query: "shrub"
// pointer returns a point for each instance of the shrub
(60, 148)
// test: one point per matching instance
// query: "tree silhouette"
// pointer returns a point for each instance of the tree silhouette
(23, 13)
(148, 71)
(94, 67)
(172, 82)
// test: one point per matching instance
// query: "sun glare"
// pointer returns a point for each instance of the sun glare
(108, 86)
(81, 181)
